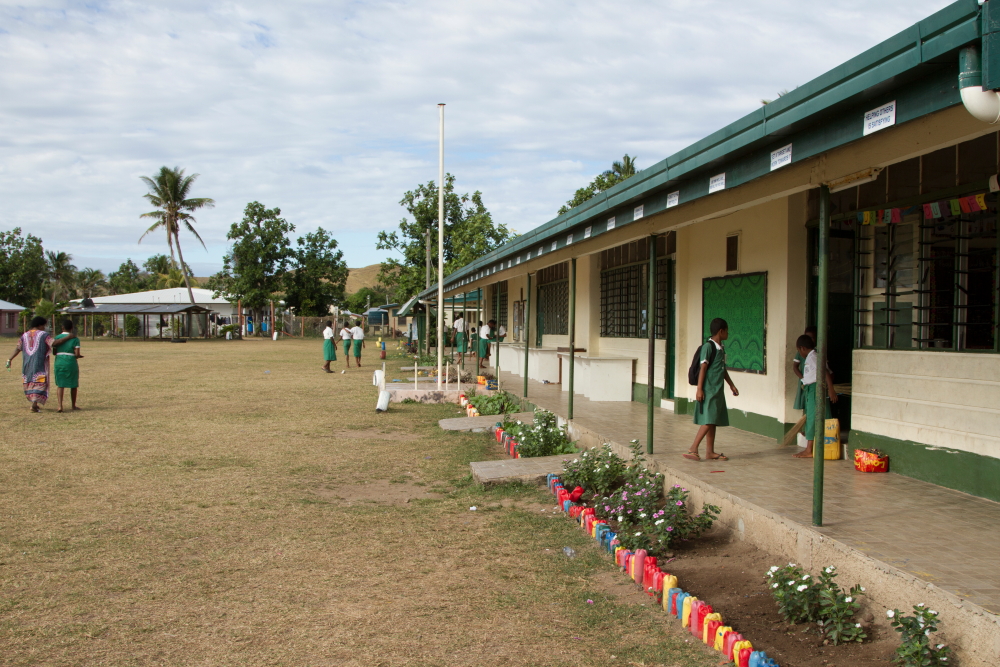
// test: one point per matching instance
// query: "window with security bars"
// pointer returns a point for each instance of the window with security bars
(553, 308)
(499, 294)
(623, 301)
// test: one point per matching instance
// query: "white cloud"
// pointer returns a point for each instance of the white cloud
(327, 109)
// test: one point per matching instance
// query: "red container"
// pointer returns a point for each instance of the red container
(637, 566)
(745, 657)
(698, 624)
(870, 461)
(713, 629)
(728, 641)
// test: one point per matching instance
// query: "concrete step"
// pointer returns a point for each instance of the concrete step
(529, 471)
(480, 424)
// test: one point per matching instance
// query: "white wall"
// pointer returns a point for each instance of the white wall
(942, 399)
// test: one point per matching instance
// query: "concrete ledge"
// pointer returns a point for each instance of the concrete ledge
(482, 422)
(527, 471)
(971, 631)
(422, 395)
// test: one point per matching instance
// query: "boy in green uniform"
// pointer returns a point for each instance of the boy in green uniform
(66, 349)
(710, 410)
(806, 347)
(358, 340)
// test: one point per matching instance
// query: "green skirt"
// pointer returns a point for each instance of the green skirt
(67, 372)
(809, 405)
(329, 350)
(347, 347)
(484, 347)
(461, 342)
(357, 348)
(712, 410)
(798, 405)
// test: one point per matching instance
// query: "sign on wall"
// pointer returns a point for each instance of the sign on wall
(741, 300)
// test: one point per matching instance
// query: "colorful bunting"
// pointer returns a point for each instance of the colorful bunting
(981, 200)
(896, 216)
(956, 208)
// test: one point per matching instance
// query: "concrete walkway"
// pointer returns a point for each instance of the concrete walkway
(939, 536)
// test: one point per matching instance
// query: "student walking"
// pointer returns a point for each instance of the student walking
(806, 347)
(329, 346)
(66, 351)
(460, 340)
(346, 336)
(711, 411)
(485, 336)
(798, 365)
(358, 338)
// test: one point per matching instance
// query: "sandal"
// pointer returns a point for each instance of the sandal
(691, 456)
(718, 457)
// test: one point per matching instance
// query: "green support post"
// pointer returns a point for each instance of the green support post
(453, 341)
(651, 333)
(819, 432)
(527, 332)
(572, 331)
(496, 318)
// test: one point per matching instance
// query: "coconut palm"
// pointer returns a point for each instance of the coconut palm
(168, 191)
(88, 280)
(173, 278)
(61, 271)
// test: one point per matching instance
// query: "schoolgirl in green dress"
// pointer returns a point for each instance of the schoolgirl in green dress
(66, 350)
(710, 409)
(329, 347)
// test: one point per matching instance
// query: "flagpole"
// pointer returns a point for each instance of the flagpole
(440, 299)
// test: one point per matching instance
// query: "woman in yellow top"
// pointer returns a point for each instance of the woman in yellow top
(66, 350)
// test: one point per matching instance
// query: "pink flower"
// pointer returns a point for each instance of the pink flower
(679, 503)
(669, 528)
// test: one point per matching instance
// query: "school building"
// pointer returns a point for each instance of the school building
(891, 156)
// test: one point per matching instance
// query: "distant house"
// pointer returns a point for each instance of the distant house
(10, 313)
(220, 310)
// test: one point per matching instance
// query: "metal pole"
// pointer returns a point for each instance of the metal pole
(572, 332)
(818, 435)
(527, 332)
(651, 332)
(496, 317)
(427, 285)
(440, 299)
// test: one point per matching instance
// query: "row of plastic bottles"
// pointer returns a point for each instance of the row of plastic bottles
(696, 615)
(506, 441)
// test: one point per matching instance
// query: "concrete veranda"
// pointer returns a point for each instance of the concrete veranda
(937, 535)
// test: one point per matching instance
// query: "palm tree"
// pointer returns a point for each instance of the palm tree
(172, 278)
(168, 191)
(89, 280)
(61, 271)
(622, 170)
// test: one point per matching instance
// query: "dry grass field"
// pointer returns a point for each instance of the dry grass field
(227, 503)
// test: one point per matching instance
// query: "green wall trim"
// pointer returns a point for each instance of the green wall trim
(639, 393)
(970, 473)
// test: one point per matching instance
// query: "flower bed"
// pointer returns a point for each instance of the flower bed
(543, 437)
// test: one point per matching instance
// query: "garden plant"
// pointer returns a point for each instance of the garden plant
(917, 648)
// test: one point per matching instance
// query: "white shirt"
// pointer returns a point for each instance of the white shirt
(328, 333)
(345, 333)
(459, 325)
(484, 331)
(502, 331)
(357, 333)
(809, 369)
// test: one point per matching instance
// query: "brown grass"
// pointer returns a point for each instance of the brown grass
(190, 515)
(366, 276)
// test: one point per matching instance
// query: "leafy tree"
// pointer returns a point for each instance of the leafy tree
(173, 278)
(620, 171)
(89, 280)
(469, 234)
(252, 271)
(358, 302)
(157, 264)
(318, 275)
(127, 279)
(23, 268)
(168, 192)
(61, 272)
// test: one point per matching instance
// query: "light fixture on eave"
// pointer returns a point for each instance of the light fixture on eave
(857, 178)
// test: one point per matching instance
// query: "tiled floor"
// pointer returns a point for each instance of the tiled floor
(939, 535)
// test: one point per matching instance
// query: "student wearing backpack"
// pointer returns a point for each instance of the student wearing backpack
(710, 410)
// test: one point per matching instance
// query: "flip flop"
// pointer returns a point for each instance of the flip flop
(718, 457)
(691, 456)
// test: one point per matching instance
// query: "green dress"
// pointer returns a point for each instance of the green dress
(67, 370)
(329, 350)
(798, 405)
(713, 409)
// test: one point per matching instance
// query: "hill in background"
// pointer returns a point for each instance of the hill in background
(364, 277)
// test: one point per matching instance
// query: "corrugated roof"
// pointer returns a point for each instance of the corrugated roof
(171, 295)
(7, 305)
(137, 309)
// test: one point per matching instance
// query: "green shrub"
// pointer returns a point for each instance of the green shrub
(131, 325)
(542, 438)
(501, 402)
(915, 631)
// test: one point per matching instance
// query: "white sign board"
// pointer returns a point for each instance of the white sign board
(781, 157)
(611, 223)
(673, 199)
(586, 233)
(637, 213)
(881, 118)
(554, 245)
(541, 249)
(717, 183)
(569, 239)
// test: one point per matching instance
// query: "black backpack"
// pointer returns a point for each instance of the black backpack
(695, 370)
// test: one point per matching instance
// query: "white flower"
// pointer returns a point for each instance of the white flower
(920, 604)
(862, 589)
(890, 613)
(801, 588)
(577, 460)
(791, 583)
(606, 466)
(830, 570)
(642, 516)
(933, 612)
(775, 585)
(927, 632)
(620, 519)
(804, 577)
(638, 534)
(658, 522)
(791, 565)
(940, 646)
(774, 568)
(857, 625)
(848, 599)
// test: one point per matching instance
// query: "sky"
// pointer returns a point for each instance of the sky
(328, 110)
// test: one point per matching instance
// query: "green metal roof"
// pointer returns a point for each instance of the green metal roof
(916, 67)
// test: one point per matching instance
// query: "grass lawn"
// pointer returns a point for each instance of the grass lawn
(227, 503)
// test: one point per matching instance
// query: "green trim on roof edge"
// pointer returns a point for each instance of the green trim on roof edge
(916, 67)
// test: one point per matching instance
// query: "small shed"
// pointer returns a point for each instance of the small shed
(185, 319)
(10, 313)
